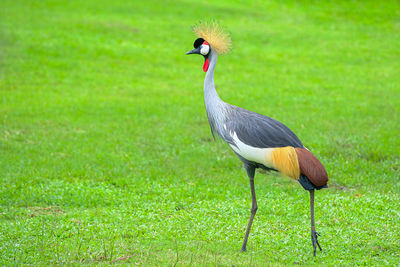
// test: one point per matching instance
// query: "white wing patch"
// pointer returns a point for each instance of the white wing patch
(256, 154)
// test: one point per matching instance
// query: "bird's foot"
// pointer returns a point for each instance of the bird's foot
(243, 249)
(314, 239)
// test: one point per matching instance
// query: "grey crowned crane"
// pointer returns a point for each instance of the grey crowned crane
(259, 141)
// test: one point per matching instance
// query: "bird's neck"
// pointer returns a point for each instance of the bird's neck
(211, 96)
(215, 107)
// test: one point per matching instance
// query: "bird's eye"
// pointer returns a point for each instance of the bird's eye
(204, 49)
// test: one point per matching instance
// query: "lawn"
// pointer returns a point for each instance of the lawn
(106, 155)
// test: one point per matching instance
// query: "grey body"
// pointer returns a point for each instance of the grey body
(253, 129)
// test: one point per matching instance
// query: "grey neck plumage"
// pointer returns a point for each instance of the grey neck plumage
(215, 107)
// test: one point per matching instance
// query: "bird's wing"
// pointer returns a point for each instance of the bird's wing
(259, 131)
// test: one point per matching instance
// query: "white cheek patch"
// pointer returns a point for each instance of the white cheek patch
(204, 49)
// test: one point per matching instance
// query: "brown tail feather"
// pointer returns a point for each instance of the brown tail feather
(311, 167)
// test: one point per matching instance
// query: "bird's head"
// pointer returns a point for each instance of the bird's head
(212, 39)
(201, 47)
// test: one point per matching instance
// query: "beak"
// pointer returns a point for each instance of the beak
(194, 51)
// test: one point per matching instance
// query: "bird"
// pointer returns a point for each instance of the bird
(258, 140)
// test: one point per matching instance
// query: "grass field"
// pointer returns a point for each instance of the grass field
(106, 154)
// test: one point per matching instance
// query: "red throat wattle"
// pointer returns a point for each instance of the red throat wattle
(205, 66)
(207, 62)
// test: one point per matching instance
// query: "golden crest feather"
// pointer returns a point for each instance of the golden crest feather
(214, 34)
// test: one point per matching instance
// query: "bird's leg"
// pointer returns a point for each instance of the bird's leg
(314, 234)
(250, 173)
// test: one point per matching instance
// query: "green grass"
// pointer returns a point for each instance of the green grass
(106, 155)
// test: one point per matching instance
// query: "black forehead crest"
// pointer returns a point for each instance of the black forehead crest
(198, 42)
